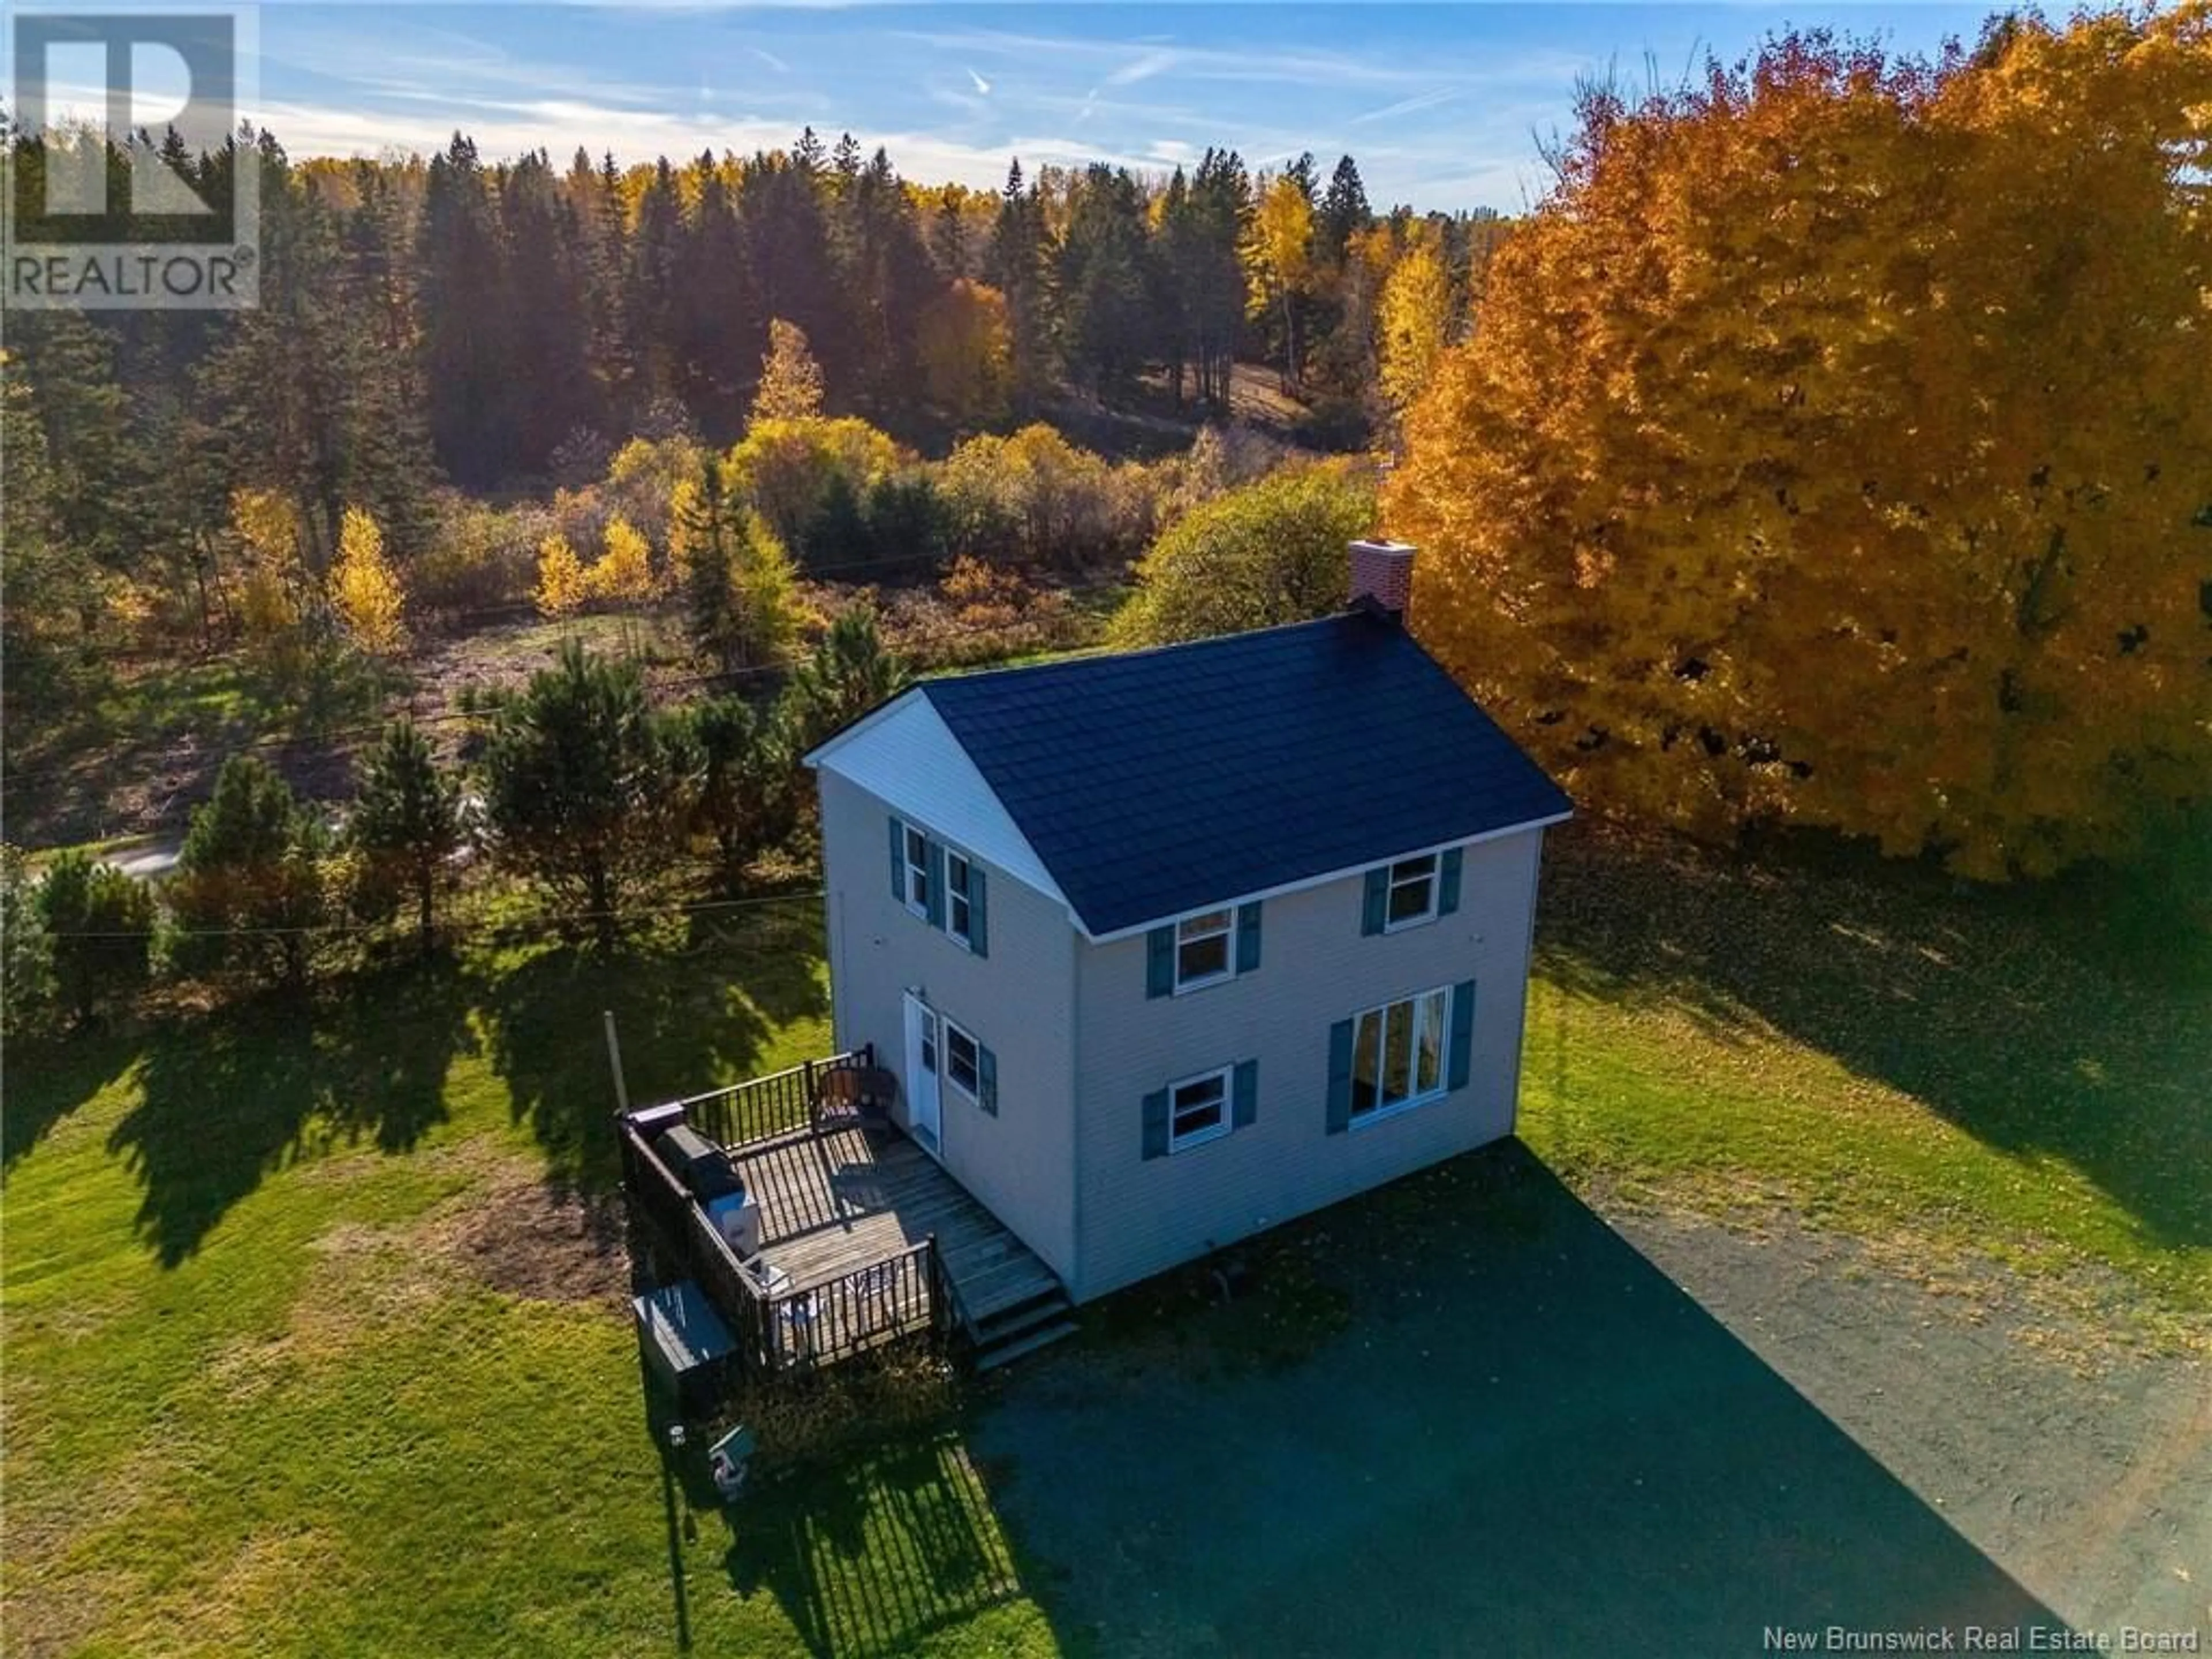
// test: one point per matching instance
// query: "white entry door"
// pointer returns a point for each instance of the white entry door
(921, 1073)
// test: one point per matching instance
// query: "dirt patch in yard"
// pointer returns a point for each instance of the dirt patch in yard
(534, 1238)
(1540, 1429)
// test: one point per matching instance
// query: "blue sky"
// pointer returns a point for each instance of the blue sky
(1439, 103)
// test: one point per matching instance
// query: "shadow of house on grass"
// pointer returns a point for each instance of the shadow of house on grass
(868, 1562)
(2026, 1018)
(687, 1017)
(1526, 1440)
(229, 1099)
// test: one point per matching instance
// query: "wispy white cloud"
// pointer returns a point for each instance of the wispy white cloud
(1412, 106)
(560, 125)
(770, 59)
(1142, 69)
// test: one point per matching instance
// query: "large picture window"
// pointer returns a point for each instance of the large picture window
(1398, 1054)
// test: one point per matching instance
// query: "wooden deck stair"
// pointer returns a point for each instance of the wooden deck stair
(835, 1201)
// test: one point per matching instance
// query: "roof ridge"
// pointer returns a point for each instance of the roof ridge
(1088, 657)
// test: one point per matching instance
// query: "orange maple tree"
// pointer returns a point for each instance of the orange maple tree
(1836, 445)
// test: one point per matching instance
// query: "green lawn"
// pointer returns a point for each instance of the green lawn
(273, 1385)
(266, 1391)
(2027, 1074)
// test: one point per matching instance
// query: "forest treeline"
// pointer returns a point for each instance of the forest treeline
(442, 340)
(502, 326)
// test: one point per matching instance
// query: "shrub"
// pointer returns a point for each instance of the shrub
(26, 959)
(250, 881)
(480, 557)
(563, 585)
(623, 574)
(98, 925)
(849, 673)
(580, 782)
(784, 468)
(1272, 552)
(742, 796)
(405, 827)
(1036, 499)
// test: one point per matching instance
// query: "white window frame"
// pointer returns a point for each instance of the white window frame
(1225, 1076)
(917, 873)
(1392, 881)
(959, 900)
(1437, 996)
(1226, 934)
(945, 1061)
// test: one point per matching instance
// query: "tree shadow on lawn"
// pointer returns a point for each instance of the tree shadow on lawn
(2028, 1019)
(51, 1077)
(1526, 1440)
(231, 1097)
(689, 1018)
(871, 1557)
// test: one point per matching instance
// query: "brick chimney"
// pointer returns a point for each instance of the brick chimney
(1382, 577)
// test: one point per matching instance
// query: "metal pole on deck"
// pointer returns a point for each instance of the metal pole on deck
(614, 1061)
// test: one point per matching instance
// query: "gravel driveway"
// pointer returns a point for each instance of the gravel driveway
(1536, 1433)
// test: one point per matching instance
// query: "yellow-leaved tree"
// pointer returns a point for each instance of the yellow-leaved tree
(561, 589)
(272, 576)
(623, 574)
(1414, 319)
(791, 381)
(364, 589)
(966, 346)
(1837, 447)
(1278, 261)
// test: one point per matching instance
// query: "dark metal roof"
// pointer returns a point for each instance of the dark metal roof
(1158, 782)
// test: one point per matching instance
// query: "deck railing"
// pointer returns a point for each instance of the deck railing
(775, 1326)
(864, 1309)
(765, 1108)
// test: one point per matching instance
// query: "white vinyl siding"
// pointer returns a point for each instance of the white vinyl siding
(1017, 1002)
(1139, 1213)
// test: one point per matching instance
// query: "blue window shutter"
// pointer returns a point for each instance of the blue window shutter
(987, 1079)
(1244, 1094)
(1375, 903)
(1247, 937)
(1159, 962)
(1462, 1065)
(936, 868)
(1340, 1076)
(1448, 882)
(898, 861)
(979, 932)
(1156, 1124)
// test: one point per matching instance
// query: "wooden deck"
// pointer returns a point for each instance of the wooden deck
(832, 1204)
